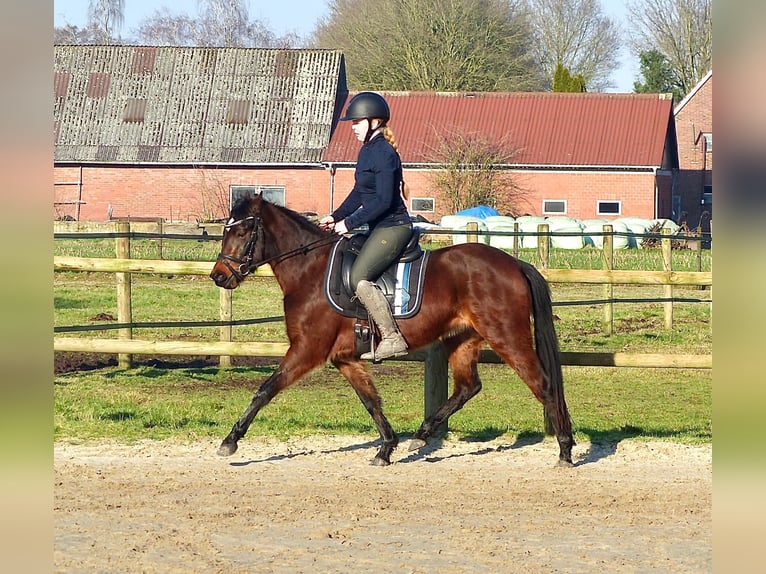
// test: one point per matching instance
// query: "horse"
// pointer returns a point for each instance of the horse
(473, 295)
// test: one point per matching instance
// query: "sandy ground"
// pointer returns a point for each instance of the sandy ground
(317, 505)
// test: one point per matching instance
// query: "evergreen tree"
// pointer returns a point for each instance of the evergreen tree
(659, 76)
(564, 82)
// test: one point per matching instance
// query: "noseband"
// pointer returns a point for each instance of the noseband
(244, 263)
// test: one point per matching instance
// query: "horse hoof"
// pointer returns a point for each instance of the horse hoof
(416, 444)
(227, 449)
(378, 461)
(564, 464)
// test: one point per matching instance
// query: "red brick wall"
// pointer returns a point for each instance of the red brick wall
(581, 190)
(695, 162)
(694, 118)
(188, 194)
(177, 194)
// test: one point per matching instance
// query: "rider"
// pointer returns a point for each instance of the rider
(376, 199)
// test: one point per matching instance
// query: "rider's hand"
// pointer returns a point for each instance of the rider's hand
(340, 227)
(326, 222)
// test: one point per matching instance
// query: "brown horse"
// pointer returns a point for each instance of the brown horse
(473, 294)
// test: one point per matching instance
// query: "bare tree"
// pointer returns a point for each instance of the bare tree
(220, 23)
(72, 34)
(440, 45)
(166, 29)
(107, 16)
(578, 36)
(223, 22)
(681, 30)
(473, 171)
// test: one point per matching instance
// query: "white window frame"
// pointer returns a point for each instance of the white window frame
(414, 199)
(599, 202)
(269, 192)
(548, 212)
(707, 137)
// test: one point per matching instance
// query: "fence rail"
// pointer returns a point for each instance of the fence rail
(251, 349)
(433, 357)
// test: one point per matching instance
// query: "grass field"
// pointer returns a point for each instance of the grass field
(607, 404)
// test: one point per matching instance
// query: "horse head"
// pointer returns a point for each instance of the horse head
(242, 245)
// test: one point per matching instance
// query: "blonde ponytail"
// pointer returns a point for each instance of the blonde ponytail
(388, 133)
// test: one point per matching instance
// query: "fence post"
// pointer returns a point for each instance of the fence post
(516, 239)
(544, 245)
(161, 229)
(711, 270)
(667, 264)
(699, 254)
(124, 292)
(436, 375)
(607, 256)
(226, 331)
(473, 228)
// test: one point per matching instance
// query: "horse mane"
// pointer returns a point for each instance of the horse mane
(299, 219)
(245, 207)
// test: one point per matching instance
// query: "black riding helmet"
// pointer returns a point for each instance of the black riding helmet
(367, 105)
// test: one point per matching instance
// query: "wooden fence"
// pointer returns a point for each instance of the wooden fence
(435, 360)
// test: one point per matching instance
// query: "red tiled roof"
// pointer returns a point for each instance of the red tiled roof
(546, 128)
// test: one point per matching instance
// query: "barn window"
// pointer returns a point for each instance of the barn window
(707, 195)
(708, 137)
(608, 207)
(424, 204)
(554, 206)
(272, 193)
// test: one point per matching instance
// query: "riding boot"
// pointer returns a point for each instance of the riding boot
(392, 344)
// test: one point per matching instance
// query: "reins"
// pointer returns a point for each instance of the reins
(245, 262)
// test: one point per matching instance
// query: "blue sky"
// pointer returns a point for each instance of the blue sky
(298, 16)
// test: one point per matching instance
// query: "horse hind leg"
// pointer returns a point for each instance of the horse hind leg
(528, 367)
(361, 382)
(463, 356)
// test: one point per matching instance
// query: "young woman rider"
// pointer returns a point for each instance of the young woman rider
(376, 200)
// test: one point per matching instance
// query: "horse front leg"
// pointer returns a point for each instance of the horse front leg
(298, 361)
(361, 381)
(262, 397)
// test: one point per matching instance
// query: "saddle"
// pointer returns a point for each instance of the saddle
(401, 283)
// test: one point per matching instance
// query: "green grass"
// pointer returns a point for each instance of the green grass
(168, 249)
(607, 404)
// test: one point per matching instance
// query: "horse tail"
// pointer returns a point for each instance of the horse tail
(547, 348)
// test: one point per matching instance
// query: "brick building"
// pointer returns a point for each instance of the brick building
(581, 155)
(693, 191)
(176, 133)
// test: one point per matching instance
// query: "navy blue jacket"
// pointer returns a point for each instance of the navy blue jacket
(376, 198)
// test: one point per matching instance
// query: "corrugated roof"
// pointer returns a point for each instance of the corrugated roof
(127, 104)
(544, 129)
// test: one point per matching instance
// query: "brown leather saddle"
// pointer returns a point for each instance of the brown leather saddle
(402, 282)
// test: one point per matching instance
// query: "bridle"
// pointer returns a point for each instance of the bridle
(246, 262)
